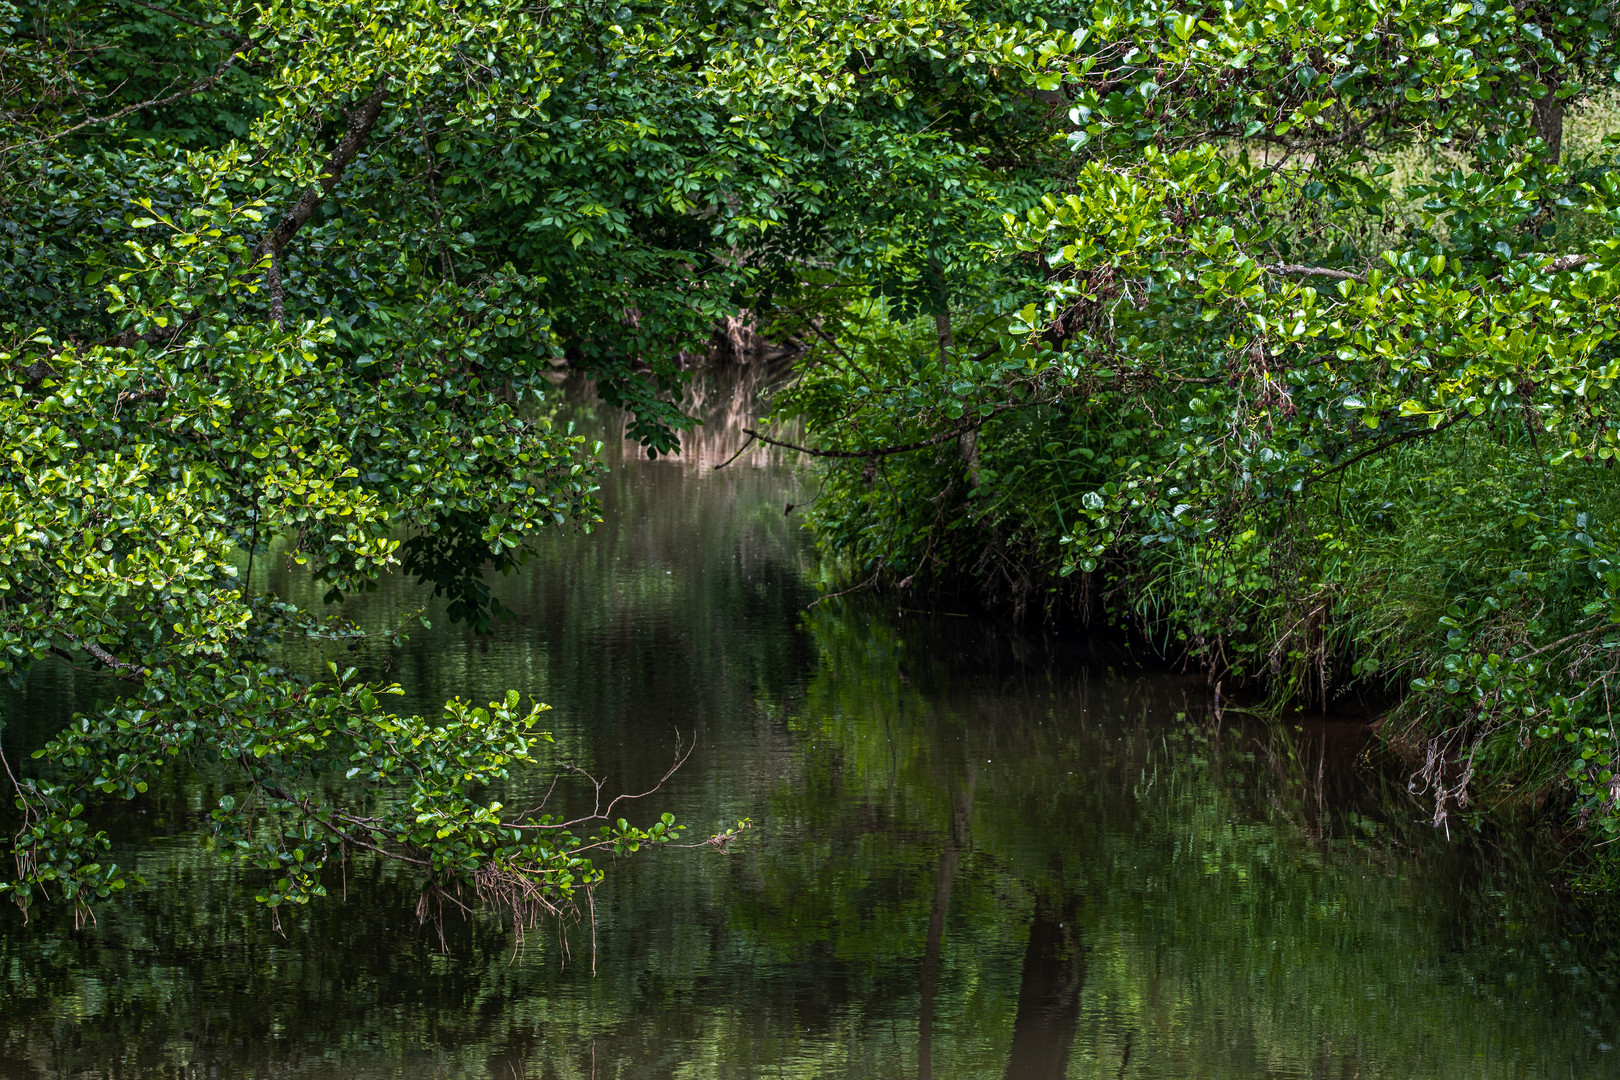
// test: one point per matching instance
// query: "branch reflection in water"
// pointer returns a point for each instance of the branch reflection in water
(978, 854)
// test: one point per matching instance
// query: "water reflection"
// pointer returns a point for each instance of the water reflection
(977, 855)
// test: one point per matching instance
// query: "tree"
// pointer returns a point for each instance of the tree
(1264, 357)
(294, 272)
(303, 331)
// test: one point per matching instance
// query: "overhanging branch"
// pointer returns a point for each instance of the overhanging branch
(241, 45)
(361, 118)
(881, 451)
(1406, 436)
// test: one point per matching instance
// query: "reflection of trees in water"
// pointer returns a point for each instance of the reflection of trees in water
(727, 402)
(910, 766)
(956, 838)
(1049, 988)
(1173, 893)
(209, 988)
(975, 859)
(724, 400)
(1051, 976)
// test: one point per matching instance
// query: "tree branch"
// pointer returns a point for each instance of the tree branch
(883, 451)
(749, 442)
(1296, 270)
(1605, 628)
(198, 23)
(309, 811)
(1406, 436)
(1564, 262)
(196, 87)
(361, 118)
(1556, 266)
(278, 295)
(91, 646)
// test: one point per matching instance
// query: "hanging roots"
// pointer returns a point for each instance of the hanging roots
(522, 900)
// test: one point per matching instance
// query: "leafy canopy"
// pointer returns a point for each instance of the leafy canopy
(297, 274)
(1282, 248)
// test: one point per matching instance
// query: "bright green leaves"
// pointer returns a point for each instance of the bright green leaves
(1317, 322)
(799, 55)
(297, 307)
(405, 791)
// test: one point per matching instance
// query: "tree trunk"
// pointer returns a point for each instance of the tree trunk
(968, 442)
(942, 334)
(942, 310)
(1549, 117)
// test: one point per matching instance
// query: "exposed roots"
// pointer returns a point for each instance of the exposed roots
(522, 900)
(1445, 775)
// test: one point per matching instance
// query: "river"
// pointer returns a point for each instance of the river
(976, 853)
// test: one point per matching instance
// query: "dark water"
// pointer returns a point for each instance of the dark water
(976, 854)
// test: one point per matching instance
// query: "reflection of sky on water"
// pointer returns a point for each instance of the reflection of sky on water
(976, 855)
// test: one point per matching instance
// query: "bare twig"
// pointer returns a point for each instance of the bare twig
(16, 785)
(1566, 640)
(1296, 270)
(599, 814)
(1416, 433)
(867, 584)
(882, 451)
(738, 454)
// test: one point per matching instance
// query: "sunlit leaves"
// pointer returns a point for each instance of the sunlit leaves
(185, 396)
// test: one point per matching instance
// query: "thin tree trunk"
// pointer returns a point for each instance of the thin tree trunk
(1548, 111)
(942, 334)
(968, 442)
(942, 310)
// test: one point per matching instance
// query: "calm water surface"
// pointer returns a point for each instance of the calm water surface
(976, 854)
